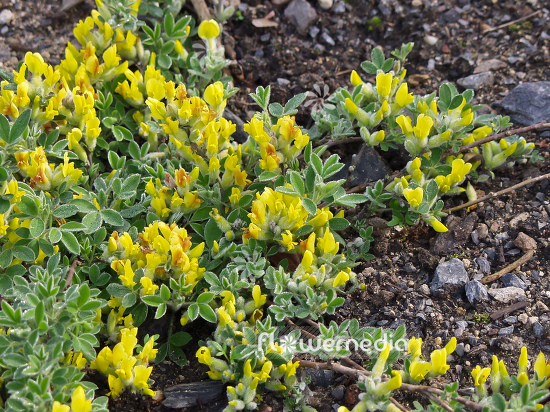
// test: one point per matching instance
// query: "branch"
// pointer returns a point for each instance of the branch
(70, 273)
(502, 192)
(202, 9)
(511, 22)
(495, 276)
(543, 125)
(427, 391)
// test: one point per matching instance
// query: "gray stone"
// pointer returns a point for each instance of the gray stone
(430, 40)
(338, 392)
(460, 349)
(458, 234)
(524, 242)
(511, 279)
(462, 324)
(327, 39)
(507, 295)
(483, 265)
(450, 273)
(5, 16)
(472, 340)
(477, 81)
(283, 82)
(511, 320)
(450, 16)
(369, 167)
(528, 103)
(476, 291)
(508, 330)
(301, 14)
(538, 330)
(320, 377)
(490, 65)
(314, 31)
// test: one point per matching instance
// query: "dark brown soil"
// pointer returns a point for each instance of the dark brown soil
(398, 277)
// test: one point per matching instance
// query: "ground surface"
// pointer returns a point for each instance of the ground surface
(450, 44)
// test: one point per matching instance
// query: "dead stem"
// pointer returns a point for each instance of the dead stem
(495, 276)
(70, 273)
(497, 194)
(420, 389)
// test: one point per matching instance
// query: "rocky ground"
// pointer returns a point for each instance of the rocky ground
(432, 284)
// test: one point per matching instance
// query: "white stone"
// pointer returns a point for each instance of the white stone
(5, 16)
(325, 4)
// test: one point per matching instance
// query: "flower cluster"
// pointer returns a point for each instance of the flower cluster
(163, 252)
(79, 403)
(176, 195)
(419, 369)
(278, 145)
(124, 368)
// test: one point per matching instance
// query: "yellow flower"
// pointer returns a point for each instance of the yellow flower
(355, 79)
(259, 299)
(415, 347)
(403, 97)
(480, 375)
(340, 279)
(327, 244)
(414, 196)
(437, 225)
(287, 240)
(141, 375)
(57, 407)
(209, 29)
(213, 95)
(541, 368)
(439, 361)
(423, 126)
(522, 362)
(418, 370)
(383, 84)
(203, 355)
(79, 402)
(148, 287)
(405, 123)
(116, 386)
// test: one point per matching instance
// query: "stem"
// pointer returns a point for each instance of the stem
(502, 192)
(511, 22)
(543, 125)
(421, 389)
(509, 268)
(70, 273)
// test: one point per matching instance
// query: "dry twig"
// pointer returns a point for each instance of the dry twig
(511, 22)
(70, 273)
(495, 276)
(493, 195)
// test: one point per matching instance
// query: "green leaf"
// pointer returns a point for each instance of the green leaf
(351, 200)
(54, 235)
(207, 313)
(26, 254)
(212, 232)
(267, 176)
(118, 291)
(5, 258)
(37, 227)
(28, 206)
(180, 338)
(134, 151)
(70, 242)
(83, 205)
(65, 211)
(377, 57)
(121, 133)
(295, 102)
(19, 126)
(93, 305)
(72, 227)
(297, 183)
(445, 94)
(432, 190)
(132, 211)
(388, 64)
(161, 310)
(99, 236)
(205, 297)
(152, 300)
(129, 300)
(304, 230)
(164, 293)
(112, 217)
(338, 223)
(276, 109)
(164, 61)
(169, 23)
(192, 312)
(317, 164)
(92, 221)
(4, 128)
(310, 206)
(369, 67)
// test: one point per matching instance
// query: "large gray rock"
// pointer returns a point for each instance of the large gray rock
(477, 81)
(511, 279)
(476, 292)
(507, 295)
(528, 103)
(369, 167)
(449, 275)
(301, 14)
(459, 232)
